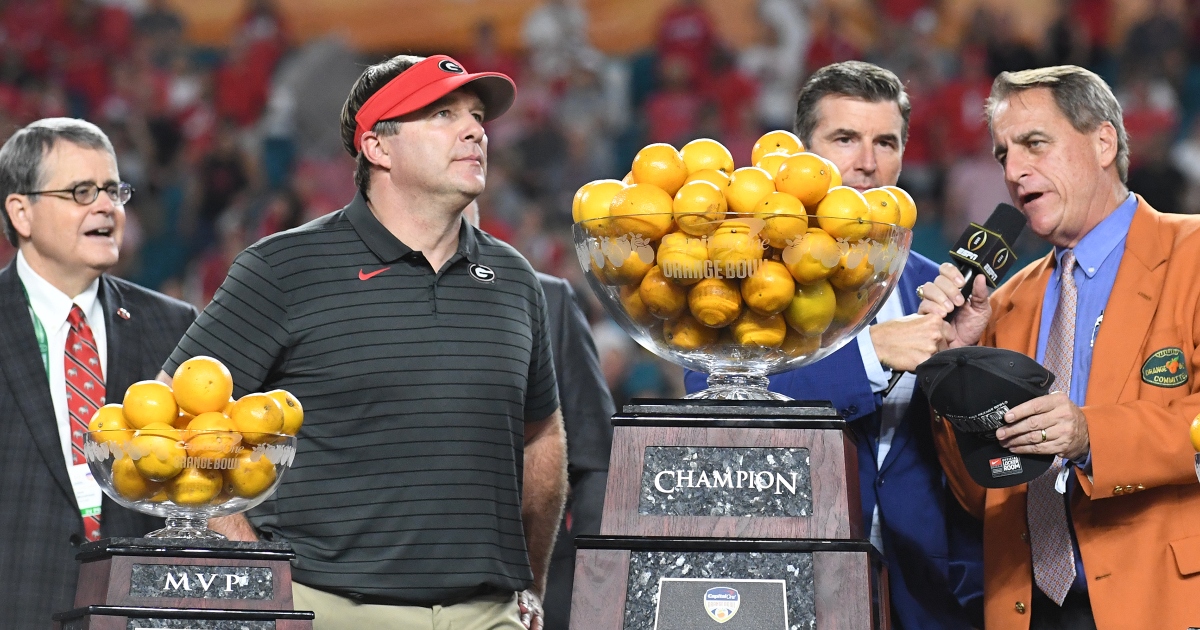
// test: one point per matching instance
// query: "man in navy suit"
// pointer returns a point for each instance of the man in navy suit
(856, 114)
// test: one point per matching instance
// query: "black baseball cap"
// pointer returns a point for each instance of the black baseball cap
(972, 388)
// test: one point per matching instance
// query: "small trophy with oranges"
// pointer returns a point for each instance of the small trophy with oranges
(740, 273)
(189, 452)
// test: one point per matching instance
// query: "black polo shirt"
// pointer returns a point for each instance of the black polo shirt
(406, 486)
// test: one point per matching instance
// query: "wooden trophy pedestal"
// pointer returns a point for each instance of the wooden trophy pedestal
(755, 499)
(143, 583)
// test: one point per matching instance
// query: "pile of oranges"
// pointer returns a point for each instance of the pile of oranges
(770, 255)
(191, 442)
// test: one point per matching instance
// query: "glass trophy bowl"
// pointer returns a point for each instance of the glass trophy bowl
(740, 297)
(188, 477)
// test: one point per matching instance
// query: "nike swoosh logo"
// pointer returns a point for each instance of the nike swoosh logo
(368, 276)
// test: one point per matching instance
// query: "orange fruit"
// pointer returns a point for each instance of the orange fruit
(202, 384)
(662, 297)
(769, 289)
(212, 435)
(293, 411)
(812, 258)
(715, 302)
(595, 201)
(843, 212)
(736, 241)
(661, 165)
(183, 420)
(251, 476)
(257, 417)
(195, 486)
(753, 329)
(631, 301)
(854, 269)
(681, 258)
(685, 333)
(884, 209)
(796, 344)
(129, 483)
(850, 305)
(699, 207)
(908, 207)
(642, 209)
(747, 187)
(158, 450)
(784, 218)
(628, 179)
(811, 309)
(111, 421)
(703, 154)
(774, 141)
(1195, 433)
(771, 162)
(804, 176)
(835, 179)
(631, 270)
(148, 402)
(719, 178)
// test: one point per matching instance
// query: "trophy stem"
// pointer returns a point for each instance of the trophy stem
(725, 386)
(191, 527)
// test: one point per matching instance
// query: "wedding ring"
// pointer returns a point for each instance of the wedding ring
(921, 292)
(1043, 436)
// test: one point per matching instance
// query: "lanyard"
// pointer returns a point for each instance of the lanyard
(40, 332)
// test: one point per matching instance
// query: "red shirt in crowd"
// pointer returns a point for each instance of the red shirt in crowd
(686, 31)
(671, 116)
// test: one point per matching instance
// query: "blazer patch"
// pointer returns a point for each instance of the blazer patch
(1165, 368)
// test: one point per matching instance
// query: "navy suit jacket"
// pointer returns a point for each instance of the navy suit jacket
(934, 549)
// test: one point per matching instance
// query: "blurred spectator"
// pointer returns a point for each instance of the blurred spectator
(673, 111)
(961, 127)
(974, 186)
(1155, 45)
(1186, 158)
(557, 38)
(1156, 178)
(215, 262)
(731, 90)
(1151, 113)
(1068, 40)
(486, 56)
(240, 84)
(223, 174)
(161, 28)
(778, 63)
(829, 43)
(686, 32)
(1006, 52)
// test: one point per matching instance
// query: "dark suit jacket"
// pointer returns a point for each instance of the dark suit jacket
(40, 527)
(587, 409)
(934, 549)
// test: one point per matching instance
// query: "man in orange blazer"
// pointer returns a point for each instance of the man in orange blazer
(1109, 537)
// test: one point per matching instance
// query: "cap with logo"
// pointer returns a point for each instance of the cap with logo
(972, 388)
(427, 81)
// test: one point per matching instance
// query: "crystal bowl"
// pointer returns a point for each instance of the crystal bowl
(188, 477)
(740, 296)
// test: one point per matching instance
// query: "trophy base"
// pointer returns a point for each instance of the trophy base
(736, 387)
(143, 618)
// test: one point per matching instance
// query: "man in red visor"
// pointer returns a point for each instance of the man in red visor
(430, 473)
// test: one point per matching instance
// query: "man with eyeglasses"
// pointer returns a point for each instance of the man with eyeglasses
(70, 335)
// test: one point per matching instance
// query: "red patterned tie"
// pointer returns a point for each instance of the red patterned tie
(1049, 536)
(85, 393)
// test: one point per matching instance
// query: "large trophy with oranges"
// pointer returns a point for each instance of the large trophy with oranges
(738, 274)
(188, 452)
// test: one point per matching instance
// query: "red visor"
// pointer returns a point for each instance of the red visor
(426, 82)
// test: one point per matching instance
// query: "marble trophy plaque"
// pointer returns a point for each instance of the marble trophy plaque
(135, 583)
(714, 494)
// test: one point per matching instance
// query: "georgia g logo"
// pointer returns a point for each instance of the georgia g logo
(721, 603)
(482, 273)
(447, 65)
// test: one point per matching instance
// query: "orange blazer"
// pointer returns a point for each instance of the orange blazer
(1138, 517)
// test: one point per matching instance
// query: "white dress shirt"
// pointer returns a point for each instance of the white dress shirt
(52, 307)
(895, 404)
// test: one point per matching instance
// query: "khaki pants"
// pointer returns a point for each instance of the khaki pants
(334, 612)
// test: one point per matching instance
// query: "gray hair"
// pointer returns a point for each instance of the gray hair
(1081, 95)
(22, 154)
(855, 79)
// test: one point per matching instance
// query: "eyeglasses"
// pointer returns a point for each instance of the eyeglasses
(86, 193)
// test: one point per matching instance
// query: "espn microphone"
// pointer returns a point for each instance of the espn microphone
(983, 249)
(987, 249)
